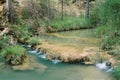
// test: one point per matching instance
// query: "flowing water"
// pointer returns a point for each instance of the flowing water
(55, 70)
(59, 71)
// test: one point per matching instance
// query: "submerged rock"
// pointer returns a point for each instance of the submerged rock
(32, 64)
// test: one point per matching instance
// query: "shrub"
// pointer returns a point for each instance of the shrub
(107, 15)
(117, 72)
(106, 12)
(34, 41)
(69, 23)
(14, 55)
(4, 41)
(21, 30)
(13, 50)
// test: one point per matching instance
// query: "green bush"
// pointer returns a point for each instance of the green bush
(117, 72)
(34, 41)
(21, 30)
(106, 12)
(13, 50)
(69, 23)
(111, 12)
(14, 55)
(4, 41)
(25, 14)
(107, 15)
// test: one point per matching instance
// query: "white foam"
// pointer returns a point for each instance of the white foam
(102, 66)
(56, 61)
(43, 56)
(29, 46)
(34, 51)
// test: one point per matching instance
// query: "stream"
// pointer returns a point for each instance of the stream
(55, 69)
(58, 71)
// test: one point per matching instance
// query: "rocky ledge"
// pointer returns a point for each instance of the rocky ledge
(87, 55)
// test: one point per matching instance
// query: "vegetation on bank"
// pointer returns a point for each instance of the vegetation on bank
(14, 55)
(70, 23)
(107, 16)
(40, 17)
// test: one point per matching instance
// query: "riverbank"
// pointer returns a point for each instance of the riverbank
(79, 46)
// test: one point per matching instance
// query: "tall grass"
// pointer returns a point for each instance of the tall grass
(70, 23)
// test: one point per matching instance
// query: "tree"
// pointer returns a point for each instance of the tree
(62, 9)
(48, 8)
(10, 11)
(87, 8)
(48, 4)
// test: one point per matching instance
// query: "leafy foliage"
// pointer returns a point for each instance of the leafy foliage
(107, 15)
(70, 23)
(13, 50)
(4, 41)
(34, 41)
(21, 30)
(117, 72)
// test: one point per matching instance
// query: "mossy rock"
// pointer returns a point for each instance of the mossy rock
(15, 60)
(14, 55)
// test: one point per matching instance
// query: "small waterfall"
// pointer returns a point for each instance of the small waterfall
(43, 56)
(103, 66)
(56, 61)
(34, 51)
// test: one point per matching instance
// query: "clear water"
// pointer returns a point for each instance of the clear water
(60, 71)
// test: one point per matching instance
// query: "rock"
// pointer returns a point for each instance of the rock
(89, 63)
(88, 55)
(16, 60)
(23, 67)
(1, 8)
(31, 64)
(112, 63)
(3, 14)
(48, 57)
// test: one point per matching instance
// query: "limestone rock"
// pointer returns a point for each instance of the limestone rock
(3, 14)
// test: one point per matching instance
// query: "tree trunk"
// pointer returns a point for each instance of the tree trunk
(10, 11)
(48, 5)
(87, 9)
(62, 10)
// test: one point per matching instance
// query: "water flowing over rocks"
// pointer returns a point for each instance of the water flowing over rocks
(89, 55)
